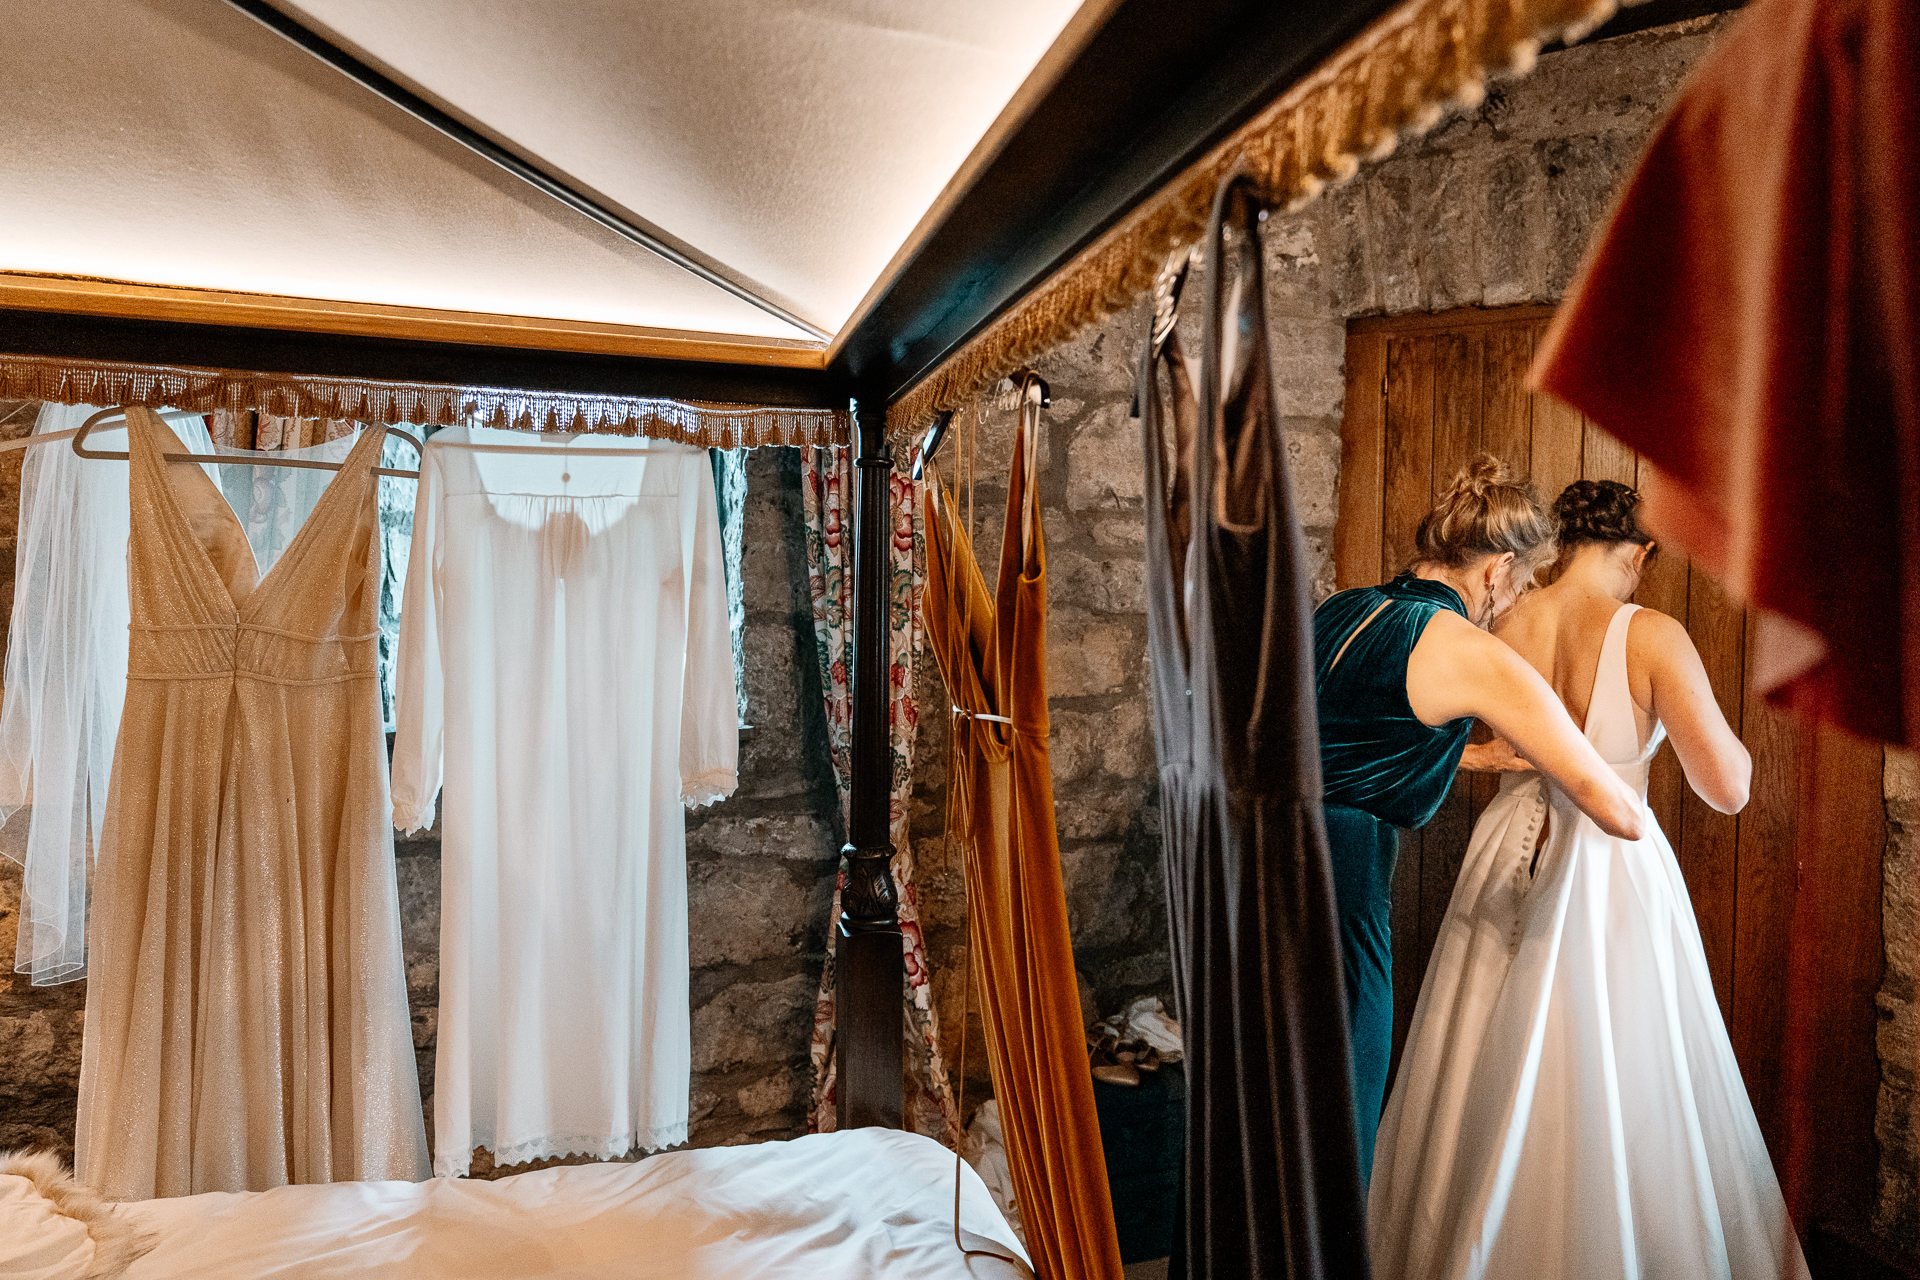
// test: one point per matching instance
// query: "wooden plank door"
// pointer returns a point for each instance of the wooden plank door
(1425, 394)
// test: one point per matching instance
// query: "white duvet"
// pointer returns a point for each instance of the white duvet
(840, 1206)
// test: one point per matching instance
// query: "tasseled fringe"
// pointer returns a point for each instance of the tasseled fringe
(1396, 79)
(715, 426)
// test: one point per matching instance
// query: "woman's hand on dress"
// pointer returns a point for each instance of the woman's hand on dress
(1458, 670)
(1497, 756)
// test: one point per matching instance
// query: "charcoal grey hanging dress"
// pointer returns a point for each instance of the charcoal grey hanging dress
(1272, 1185)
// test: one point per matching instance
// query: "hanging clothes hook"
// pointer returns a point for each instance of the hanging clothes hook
(1016, 387)
(49, 437)
(931, 443)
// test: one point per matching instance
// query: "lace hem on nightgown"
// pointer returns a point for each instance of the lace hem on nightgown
(708, 788)
(552, 1147)
(410, 816)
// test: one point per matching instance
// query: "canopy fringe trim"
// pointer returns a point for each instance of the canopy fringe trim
(1395, 79)
(714, 426)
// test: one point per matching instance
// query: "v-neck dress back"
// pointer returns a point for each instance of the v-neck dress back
(247, 1022)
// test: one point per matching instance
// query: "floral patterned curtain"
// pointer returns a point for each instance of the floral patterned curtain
(827, 486)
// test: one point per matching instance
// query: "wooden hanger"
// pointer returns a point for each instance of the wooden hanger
(245, 460)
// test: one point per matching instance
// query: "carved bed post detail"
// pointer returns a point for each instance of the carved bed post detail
(870, 969)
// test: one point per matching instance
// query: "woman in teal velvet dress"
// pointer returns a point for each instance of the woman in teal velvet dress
(1401, 673)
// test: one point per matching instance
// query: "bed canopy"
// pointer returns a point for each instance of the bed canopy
(733, 223)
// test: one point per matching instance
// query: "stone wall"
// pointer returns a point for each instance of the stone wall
(1492, 208)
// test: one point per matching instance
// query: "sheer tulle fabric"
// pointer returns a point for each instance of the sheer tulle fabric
(565, 658)
(272, 503)
(66, 678)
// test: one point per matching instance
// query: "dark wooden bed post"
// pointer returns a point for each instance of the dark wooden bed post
(870, 972)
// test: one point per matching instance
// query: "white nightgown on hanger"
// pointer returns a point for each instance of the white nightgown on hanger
(565, 658)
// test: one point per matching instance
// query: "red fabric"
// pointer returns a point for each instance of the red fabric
(1748, 323)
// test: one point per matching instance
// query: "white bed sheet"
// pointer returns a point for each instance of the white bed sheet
(839, 1206)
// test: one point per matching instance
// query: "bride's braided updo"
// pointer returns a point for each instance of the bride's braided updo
(1486, 512)
(1598, 511)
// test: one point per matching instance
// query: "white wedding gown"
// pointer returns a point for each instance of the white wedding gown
(1568, 1104)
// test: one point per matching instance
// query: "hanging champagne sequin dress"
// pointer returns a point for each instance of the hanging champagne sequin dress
(247, 1021)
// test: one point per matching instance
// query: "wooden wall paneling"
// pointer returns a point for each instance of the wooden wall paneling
(1506, 431)
(1556, 441)
(1506, 408)
(1363, 441)
(1458, 359)
(1764, 876)
(1408, 481)
(1708, 850)
(1456, 404)
(1848, 842)
(1406, 490)
(1601, 458)
(1556, 449)
(1663, 586)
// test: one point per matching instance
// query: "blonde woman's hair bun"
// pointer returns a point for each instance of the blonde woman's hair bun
(1485, 511)
(1483, 473)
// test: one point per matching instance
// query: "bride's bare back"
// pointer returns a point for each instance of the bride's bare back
(1560, 633)
(1559, 630)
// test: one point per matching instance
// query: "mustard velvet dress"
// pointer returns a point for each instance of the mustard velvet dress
(247, 1022)
(992, 656)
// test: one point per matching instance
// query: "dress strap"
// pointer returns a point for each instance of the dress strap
(1612, 727)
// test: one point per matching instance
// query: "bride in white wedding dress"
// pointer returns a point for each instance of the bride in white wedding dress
(1568, 1104)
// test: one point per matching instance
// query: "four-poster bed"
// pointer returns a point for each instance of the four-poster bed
(1044, 148)
(1061, 176)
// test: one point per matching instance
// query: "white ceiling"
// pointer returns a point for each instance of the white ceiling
(792, 144)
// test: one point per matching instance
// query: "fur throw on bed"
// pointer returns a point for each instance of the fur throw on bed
(117, 1242)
